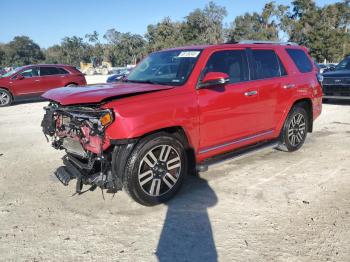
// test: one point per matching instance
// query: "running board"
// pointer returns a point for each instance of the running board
(237, 154)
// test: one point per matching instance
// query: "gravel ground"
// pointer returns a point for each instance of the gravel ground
(272, 206)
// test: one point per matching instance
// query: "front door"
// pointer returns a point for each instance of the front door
(28, 84)
(227, 113)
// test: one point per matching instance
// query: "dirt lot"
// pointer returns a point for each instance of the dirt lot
(273, 206)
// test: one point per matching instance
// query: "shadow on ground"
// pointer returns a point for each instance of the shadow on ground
(187, 233)
(28, 101)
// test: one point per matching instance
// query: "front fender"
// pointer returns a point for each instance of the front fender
(137, 116)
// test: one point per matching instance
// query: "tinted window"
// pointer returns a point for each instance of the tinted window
(62, 71)
(344, 64)
(231, 62)
(300, 59)
(32, 72)
(46, 71)
(266, 64)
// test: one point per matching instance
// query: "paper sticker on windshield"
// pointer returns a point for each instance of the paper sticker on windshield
(189, 54)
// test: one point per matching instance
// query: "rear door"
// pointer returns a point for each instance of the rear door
(227, 113)
(270, 77)
(52, 77)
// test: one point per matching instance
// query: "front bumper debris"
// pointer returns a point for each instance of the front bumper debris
(78, 131)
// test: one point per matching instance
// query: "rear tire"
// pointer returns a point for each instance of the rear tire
(294, 130)
(155, 169)
(5, 98)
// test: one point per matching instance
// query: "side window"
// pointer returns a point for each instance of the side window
(32, 72)
(47, 71)
(62, 71)
(300, 59)
(232, 62)
(266, 64)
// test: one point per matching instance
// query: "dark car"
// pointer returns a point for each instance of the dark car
(119, 75)
(33, 80)
(336, 84)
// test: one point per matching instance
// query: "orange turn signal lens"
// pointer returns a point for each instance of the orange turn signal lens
(106, 119)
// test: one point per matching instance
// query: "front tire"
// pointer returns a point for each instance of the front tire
(155, 169)
(5, 98)
(295, 130)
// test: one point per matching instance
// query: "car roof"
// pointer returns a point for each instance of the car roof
(49, 65)
(244, 44)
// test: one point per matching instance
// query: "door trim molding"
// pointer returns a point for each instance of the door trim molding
(236, 141)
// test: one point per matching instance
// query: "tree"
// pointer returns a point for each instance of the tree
(124, 48)
(323, 30)
(74, 50)
(21, 51)
(164, 34)
(257, 26)
(2, 55)
(95, 48)
(54, 55)
(205, 26)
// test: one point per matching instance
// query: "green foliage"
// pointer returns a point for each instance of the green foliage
(123, 48)
(263, 26)
(164, 34)
(2, 54)
(205, 26)
(21, 51)
(325, 31)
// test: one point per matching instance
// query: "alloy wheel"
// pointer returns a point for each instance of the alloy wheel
(4, 98)
(159, 170)
(297, 130)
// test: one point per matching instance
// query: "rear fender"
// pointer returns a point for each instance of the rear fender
(293, 102)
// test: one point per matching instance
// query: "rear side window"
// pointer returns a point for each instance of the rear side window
(47, 71)
(300, 59)
(62, 71)
(266, 64)
(232, 62)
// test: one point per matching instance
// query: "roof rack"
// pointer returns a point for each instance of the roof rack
(265, 42)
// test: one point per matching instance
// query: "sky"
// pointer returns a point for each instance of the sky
(48, 21)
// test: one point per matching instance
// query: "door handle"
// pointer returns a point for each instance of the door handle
(251, 93)
(37, 80)
(288, 86)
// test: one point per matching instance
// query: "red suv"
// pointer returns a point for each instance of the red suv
(212, 103)
(33, 80)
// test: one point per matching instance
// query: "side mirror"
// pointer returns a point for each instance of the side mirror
(19, 77)
(214, 79)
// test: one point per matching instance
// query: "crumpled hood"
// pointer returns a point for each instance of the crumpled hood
(98, 93)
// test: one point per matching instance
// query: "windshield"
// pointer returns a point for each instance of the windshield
(11, 72)
(344, 64)
(165, 68)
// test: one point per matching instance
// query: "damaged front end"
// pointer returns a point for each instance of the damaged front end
(80, 131)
